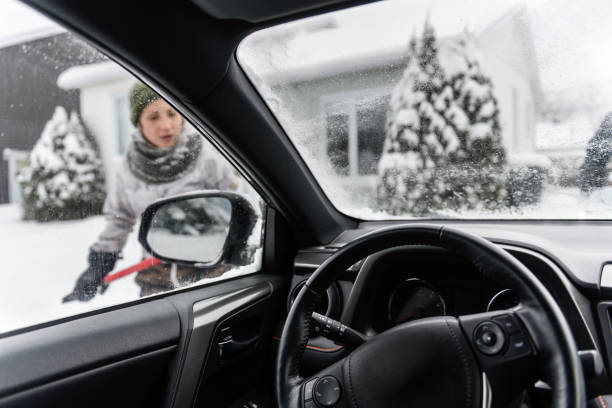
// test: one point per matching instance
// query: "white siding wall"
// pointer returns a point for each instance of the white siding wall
(516, 105)
(98, 112)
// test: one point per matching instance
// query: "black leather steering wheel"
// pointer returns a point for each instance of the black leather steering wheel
(439, 361)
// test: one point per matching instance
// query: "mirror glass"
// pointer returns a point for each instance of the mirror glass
(192, 230)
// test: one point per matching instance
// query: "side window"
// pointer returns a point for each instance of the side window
(86, 148)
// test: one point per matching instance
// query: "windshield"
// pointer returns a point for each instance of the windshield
(448, 109)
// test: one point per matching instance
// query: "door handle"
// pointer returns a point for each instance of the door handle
(229, 346)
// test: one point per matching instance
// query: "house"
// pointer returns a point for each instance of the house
(336, 95)
(30, 63)
(103, 99)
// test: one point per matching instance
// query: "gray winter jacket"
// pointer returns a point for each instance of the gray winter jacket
(129, 196)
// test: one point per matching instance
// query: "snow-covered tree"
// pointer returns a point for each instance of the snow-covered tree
(65, 178)
(442, 149)
(594, 172)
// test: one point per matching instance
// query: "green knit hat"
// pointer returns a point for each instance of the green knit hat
(140, 96)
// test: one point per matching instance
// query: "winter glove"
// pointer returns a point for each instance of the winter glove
(86, 287)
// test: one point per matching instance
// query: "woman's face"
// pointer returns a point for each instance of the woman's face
(160, 124)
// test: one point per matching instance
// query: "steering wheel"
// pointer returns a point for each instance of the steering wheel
(470, 361)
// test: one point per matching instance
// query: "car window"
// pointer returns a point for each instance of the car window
(86, 147)
(447, 109)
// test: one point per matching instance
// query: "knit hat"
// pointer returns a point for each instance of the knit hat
(140, 96)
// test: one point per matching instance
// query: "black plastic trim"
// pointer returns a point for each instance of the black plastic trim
(133, 382)
(44, 355)
(179, 386)
(206, 314)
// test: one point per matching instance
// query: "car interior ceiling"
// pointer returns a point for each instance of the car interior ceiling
(303, 229)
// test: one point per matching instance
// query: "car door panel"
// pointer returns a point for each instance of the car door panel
(132, 382)
(204, 320)
(149, 354)
(43, 355)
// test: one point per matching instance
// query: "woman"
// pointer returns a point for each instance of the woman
(162, 160)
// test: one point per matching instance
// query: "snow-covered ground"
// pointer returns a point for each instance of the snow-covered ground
(562, 203)
(557, 203)
(41, 262)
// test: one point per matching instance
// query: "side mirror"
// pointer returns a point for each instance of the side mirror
(201, 228)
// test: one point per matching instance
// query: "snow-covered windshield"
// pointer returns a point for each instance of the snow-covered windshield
(448, 109)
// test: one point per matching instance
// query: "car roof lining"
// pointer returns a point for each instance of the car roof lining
(264, 11)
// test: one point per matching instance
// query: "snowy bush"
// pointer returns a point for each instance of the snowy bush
(443, 146)
(526, 178)
(65, 178)
(565, 170)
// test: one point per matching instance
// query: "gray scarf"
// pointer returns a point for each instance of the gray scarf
(156, 165)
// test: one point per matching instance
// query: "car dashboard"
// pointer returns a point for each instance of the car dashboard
(408, 283)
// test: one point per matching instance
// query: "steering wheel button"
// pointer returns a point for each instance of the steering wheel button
(327, 391)
(508, 323)
(308, 389)
(518, 346)
(489, 338)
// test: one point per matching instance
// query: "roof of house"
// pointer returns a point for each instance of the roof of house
(299, 55)
(82, 76)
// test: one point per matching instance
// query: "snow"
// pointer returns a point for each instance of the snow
(478, 91)
(353, 38)
(458, 117)
(363, 34)
(573, 132)
(91, 74)
(529, 160)
(452, 141)
(41, 262)
(20, 23)
(408, 160)
(557, 203)
(480, 130)
(407, 117)
(487, 109)
(410, 137)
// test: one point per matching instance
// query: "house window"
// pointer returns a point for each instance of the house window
(371, 117)
(17, 160)
(122, 121)
(355, 133)
(337, 142)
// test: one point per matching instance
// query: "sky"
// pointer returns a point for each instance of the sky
(18, 22)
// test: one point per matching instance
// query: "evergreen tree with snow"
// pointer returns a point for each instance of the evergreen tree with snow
(65, 178)
(594, 172)
(442, 149)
